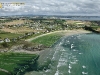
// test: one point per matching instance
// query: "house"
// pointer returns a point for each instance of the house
(7, 40)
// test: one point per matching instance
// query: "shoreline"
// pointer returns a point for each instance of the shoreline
(62, 32)
(65, 32)
(44, 53)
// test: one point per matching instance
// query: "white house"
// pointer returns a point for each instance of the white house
(7, 40)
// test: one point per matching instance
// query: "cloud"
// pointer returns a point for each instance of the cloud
(54, 7)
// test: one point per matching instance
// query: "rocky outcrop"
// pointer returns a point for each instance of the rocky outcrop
(3, 50)
(30, 48)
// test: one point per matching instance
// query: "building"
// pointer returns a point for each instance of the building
(7, 40)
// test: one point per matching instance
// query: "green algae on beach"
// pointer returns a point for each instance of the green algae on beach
(16, 63)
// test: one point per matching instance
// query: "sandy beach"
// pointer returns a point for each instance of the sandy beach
(62, 32)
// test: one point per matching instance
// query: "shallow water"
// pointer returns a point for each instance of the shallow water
(73, 55)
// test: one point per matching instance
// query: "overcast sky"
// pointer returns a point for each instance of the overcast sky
(52, 7)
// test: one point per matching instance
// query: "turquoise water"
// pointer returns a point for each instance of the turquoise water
(73, 55)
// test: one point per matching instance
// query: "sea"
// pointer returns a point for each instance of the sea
(72, 55)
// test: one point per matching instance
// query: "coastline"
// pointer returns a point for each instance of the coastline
(62, 32)
(44, 53)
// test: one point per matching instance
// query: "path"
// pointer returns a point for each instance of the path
(63, 32)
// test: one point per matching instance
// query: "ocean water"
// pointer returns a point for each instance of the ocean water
(72, 55)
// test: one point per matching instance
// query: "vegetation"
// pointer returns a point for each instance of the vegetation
(47, 40)
(14, 39)
(8, 35)
(10, 44)
(3, 73)
(91, 29)
(16, 63)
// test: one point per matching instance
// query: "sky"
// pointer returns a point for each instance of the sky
(52, 7)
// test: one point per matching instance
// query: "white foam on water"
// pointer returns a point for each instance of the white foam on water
(69, 66)
(69, 71)
(60, 43)
(72, 36)
(54, 55)
(61, 64)
(68, 41)
(72, 46)
(76, 60)
(80, 53)
(73, 62)
(57, 73)
(83, 66)
(84, 73)
(73, 56)
(63, 50)
(48, 70)
(53, 58)
(75, 50)
(62, 59)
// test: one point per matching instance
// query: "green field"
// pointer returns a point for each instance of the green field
(16, 62)
(47, 40)
(8, 35)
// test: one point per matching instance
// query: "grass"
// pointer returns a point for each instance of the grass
(3, 73)
(47, 40)
(15, 61)
(8, 35)
(12, 35)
